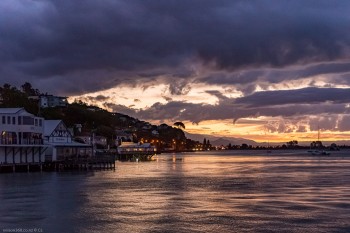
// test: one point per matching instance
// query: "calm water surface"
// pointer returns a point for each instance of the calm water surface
(202, 192)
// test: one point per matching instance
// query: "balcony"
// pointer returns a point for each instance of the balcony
(23, 142)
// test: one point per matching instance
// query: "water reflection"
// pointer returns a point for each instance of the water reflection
(199, 192)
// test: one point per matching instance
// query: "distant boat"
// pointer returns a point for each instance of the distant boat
(319, 152)
(318, 144)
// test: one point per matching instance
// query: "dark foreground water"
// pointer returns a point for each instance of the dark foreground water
(203, 192)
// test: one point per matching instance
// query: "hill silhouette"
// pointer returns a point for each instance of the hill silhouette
(97, 120)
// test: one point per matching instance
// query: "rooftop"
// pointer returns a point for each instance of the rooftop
(10, 110)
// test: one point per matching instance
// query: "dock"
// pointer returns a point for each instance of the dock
(106, 162)
(134, 156)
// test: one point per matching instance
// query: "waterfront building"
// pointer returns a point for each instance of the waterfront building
(21, 138)
(136, 148)
(61, 145)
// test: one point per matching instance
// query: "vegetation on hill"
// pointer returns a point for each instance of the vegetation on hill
(97, 120)
(103, 123)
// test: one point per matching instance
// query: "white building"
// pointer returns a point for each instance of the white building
(122, 136)
(136, 148)
(21, 138)
(60, 144)
(50, 101)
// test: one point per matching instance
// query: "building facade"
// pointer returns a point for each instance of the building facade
(60, 143)
(50, 101)
(136, 148)
(21, 138)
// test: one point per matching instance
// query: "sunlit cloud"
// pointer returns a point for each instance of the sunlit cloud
(239, 68)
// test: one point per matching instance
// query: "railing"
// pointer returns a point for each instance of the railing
(23, 142)
(86, 159)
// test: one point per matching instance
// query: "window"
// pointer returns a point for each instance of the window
(27, 120)
(3, 119)
(19, 120)
(13, 120)
(8, 120)
(40, 122)
(36, 122)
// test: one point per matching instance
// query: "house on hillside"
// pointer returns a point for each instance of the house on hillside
(155, 133)
(21, 137)
(50, 101)
(60, 143)
(122, 136)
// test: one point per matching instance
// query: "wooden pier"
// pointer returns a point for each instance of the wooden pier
(98, 162)
(135, 156)
(77, 164)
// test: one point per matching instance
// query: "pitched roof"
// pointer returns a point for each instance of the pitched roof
(10, 110)
(50, 126)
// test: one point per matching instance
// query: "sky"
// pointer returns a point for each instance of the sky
(266, 70)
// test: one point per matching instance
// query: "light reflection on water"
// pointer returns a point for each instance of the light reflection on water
(202, 192)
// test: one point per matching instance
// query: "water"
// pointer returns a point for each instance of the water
(202, 192)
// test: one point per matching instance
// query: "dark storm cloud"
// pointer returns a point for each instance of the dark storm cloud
(93, 99)
(328, 106)
(309, 95)
(120, 108)
(217, 94)
(100, 98)
(246, 81)
(101, 44)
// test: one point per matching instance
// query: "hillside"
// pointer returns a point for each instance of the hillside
(97, 120)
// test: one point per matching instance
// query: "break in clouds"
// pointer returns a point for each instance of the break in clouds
(295, 53)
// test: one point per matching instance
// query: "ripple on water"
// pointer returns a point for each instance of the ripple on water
(200, 192)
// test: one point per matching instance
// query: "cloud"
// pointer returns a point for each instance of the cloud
(167, 98)
(99, 45)
(296, 110)
(100, 98)
(285, 59)
(309, 95)
(179, 87)
(344, 123)
(121, 109)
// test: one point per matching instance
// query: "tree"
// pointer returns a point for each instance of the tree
(292, 144)
(179, 125)
(29, 90)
